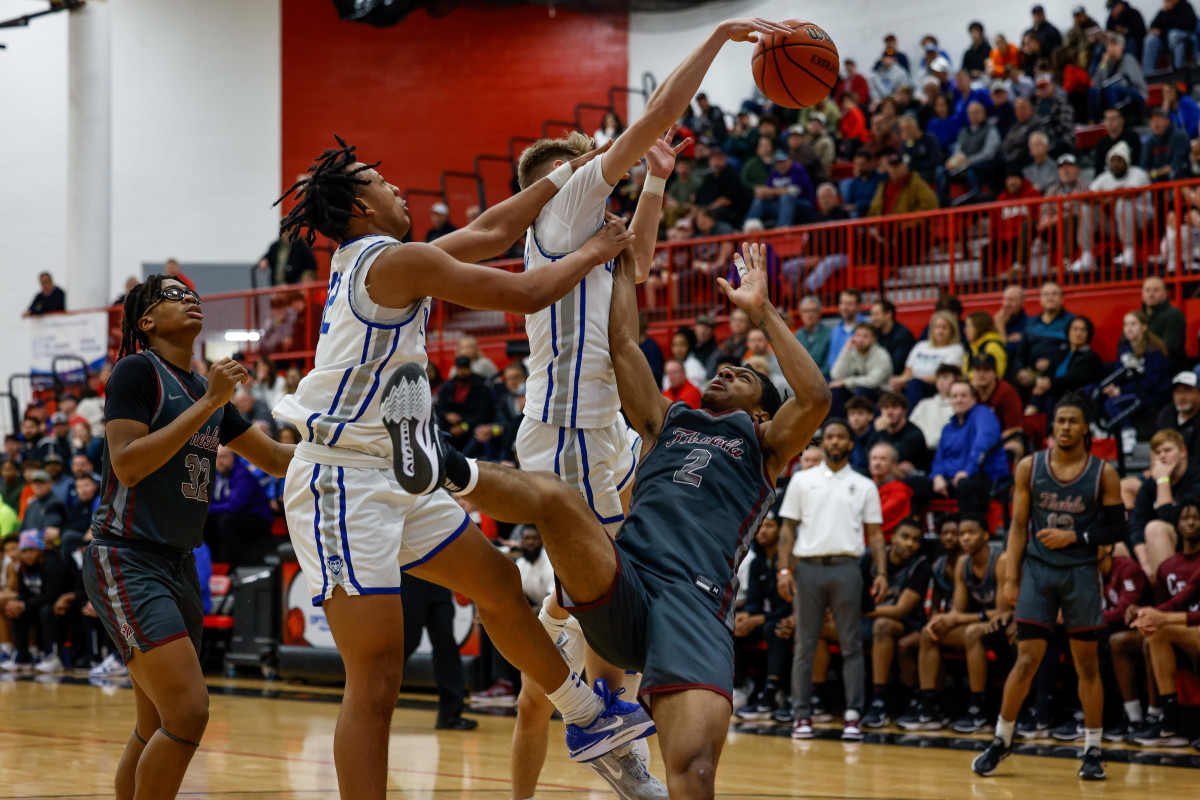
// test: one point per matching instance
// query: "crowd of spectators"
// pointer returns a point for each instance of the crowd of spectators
(918, 133)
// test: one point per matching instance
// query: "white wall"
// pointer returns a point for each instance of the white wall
(658, 42)
(196, 131)
(33, 170)
(195, 143)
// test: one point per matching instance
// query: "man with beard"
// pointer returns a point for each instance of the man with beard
(1181, 414)
(827, 513)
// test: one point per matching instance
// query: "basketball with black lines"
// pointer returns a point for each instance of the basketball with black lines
(796, 70)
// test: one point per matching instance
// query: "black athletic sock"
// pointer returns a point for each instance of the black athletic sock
(1170, 712)
(881, 690)
(458, 469)
(928, 699)
(977, 700)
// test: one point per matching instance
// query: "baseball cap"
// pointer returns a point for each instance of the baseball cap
(39, 475)
(1037, 10)
(1044, 78)
(781, 155)
(939, 64)
(818, 116)
(59, 418)
(1078, 10)
(32, 539)
(898, 158)
(1185, 378)
(983, 362)
(706, 319)
(931, 48)
(999, 86)
(1066, 158)
(462, 361)
(797, 129)
(53, 458)
(440, 208)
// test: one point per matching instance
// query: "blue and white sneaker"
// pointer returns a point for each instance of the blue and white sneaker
(110, 667)
(620, 723)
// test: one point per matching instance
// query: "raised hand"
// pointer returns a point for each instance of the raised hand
(223, 379)
(751, 294)
(746, 29)
(660, 158)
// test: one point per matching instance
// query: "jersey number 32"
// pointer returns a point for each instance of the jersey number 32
(198, 470)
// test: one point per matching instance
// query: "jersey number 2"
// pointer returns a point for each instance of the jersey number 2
(198, 468)
(689, 473)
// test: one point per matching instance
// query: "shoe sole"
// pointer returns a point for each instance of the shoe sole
(1087, 776)
(802, 736)
(754, 716)
(651, 789)
(883, 723)
(1163, 741)
(407, 411)
(492, 701)
(1060, 737)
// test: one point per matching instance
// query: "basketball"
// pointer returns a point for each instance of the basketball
(796, 70)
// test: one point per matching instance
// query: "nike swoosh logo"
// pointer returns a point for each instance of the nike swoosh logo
(174, 397)
(616, 772)
(611, 725)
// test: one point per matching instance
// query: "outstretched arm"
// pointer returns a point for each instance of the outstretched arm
(495, 230)
(675, 94)
(660, 162)
(262, 451)
(794, 425)
(641, 399)
(403, 273)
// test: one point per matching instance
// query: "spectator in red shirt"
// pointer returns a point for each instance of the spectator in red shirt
(895, 496)
(852, 126)
(853, 83)
(1012, 225)
(172, 269)
(678, 386)
(1000, 396)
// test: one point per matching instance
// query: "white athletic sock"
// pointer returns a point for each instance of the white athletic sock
(1004, 730)
(1153, 711)
(1133, 712)
(553, 626)
(1092, 737)
(578, 704)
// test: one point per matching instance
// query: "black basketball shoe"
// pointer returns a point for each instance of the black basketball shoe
(986, 762)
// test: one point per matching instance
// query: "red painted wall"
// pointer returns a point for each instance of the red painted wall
(428, 95)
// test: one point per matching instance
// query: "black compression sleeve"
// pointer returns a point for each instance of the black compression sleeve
(1109, 529)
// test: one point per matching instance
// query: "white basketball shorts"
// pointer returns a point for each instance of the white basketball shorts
(356, 528)
(599, 462)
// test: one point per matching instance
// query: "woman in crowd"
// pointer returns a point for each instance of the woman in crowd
(269, 386)
(944, 126)
(610, 128)
(984, 340)
(83, 442)
(1147, 373)
(920, 369)
(682, 345)
(1080, 368)
(1182, 109)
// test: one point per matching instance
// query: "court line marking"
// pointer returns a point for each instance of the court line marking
(292, 759)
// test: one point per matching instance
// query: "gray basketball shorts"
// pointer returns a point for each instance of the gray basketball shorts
(1047, 589)
(144, 599)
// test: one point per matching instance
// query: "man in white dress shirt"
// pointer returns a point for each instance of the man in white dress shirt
(835, 511)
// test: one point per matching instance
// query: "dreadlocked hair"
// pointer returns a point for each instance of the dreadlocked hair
(327, 197)
(137, 300)
(1080, 401)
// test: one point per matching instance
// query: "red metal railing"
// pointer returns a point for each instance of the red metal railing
(908, 258)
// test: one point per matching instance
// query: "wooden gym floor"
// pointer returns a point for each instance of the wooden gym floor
(61, 738)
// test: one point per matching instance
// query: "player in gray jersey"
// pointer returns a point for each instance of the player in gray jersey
(660, 598)
(1066, 503)
(162, 427)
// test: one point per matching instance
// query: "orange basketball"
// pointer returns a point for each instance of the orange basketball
(796, 70)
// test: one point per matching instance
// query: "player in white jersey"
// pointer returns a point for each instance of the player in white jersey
(572, 422)
(353, 529)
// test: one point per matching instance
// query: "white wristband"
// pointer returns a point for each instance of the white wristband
(654, 185)
(560, 176)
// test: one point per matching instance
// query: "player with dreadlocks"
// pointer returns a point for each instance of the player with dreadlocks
(163, 424)
(1066, 504)
(355, 531)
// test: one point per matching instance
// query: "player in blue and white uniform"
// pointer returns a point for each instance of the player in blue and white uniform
(572, 423)
(354, 530)
(660, 598)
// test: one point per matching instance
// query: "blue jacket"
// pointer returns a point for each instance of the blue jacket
(1154, 385)
(837, 340)
(1044, 339)
(859, 192)
(945, 130)
(238, 492)
(962, 444)
(1186, 116)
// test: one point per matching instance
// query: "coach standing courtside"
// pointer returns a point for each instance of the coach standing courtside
(835, 510)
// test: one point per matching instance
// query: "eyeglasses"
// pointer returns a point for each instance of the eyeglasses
(173, 294)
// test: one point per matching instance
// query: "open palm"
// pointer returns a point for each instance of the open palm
(746, 29)
(751, 293)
